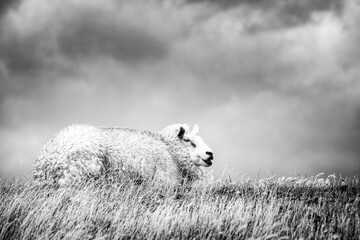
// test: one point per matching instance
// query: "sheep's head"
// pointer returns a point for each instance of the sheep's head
(200, 153)
(174, 131)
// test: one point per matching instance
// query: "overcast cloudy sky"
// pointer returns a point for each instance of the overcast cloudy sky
(274, 85)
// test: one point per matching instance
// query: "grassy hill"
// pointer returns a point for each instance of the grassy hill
(268, 208)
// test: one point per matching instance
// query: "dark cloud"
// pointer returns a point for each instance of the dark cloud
(293, 6)
(91, 34)
(78, 34)
(296, 12)
(21, 55)
(280, 13)
(5, 5)
(230, 3)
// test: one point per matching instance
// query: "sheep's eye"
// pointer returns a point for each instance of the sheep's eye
(186, 140)
(193, 144)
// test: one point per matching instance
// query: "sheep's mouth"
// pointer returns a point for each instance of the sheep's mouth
(208, 162)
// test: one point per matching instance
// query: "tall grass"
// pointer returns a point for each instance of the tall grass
(269, 208)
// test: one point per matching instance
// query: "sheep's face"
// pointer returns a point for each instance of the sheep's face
(200, 153)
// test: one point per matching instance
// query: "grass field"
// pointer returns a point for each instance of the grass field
(269, 208)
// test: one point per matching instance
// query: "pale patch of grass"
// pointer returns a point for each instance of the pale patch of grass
(269, 208)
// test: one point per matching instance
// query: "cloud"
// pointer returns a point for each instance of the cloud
(277, 13)
(91, 34)
(293, 6)
(5, 5)
(21, 55)
(69, 33)
(287, 61)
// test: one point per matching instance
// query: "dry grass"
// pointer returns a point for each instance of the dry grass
(270, 208)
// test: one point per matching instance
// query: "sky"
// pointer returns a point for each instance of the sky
(273, 85)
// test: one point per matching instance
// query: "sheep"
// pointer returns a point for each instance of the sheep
(79, 152)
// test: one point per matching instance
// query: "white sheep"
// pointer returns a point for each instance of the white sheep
(82, 151)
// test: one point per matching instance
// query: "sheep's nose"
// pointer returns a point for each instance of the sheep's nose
(211, 155)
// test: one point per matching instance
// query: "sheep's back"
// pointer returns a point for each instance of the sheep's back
(142, 152)
(76, 151)
(81, 151)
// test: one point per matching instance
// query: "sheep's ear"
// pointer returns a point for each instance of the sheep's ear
(195, 129)
(181, 133)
